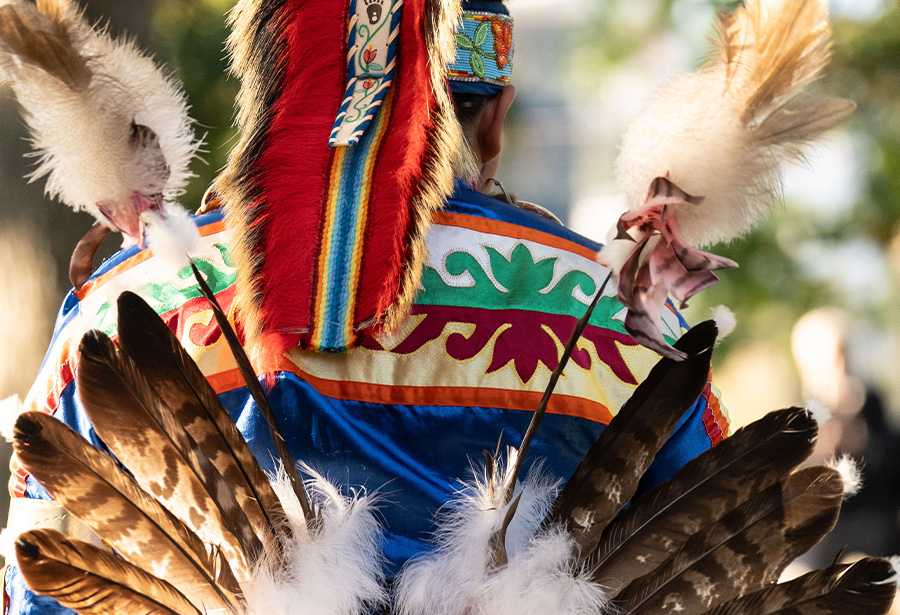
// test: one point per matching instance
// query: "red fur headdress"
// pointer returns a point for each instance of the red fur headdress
(330, 237)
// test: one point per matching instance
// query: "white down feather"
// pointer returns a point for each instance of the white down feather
(456, 577)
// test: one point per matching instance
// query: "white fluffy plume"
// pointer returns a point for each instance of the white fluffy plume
(818, 410)
(726, 321)
(334, 570)
(173, 235)
(458, 576)
(107, 124)
(723, 132)
(850, 474)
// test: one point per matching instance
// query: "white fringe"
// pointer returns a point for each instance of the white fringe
(818, 410)
(336, 570)
(725, 319)
(173, 236)
(850, 473)
(10, 409)
(456, 578)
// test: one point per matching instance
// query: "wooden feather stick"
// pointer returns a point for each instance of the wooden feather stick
(147, 438)
(744, 551)
(259, 396)
(862, 588)
(93, 581)
(608, 476)
(541, 409)
(174, 375)
(114, 506)
(659, 522)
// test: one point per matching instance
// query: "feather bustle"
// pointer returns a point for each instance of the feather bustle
(93, 581)
(862, 588)
(143, 433)
(702, 492)
(608, 477)
(259, 396)
(181, 385)
(744, 551)
(114, 506)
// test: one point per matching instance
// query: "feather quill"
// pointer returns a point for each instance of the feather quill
(723, 132)
(145, 436)
(114, 506)
(702, 492)
(259, 396)
(93, 581)
(171, 372)
(862, 588)
(744, 551)
(608, 477)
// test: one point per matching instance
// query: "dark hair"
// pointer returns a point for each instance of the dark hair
(467, 107)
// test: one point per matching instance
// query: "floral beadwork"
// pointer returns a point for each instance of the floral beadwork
(502, 29)
(484, 44)
(372, 60)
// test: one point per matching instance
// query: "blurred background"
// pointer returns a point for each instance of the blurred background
(817, 293)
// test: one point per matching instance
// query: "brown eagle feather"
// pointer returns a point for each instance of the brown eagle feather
(126, 517)
(93, 581)
(172, 373)
(145, 436)
(609, 475)
(702, 492)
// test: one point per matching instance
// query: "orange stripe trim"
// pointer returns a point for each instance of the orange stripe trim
(226, 381)
(142, 256)
(442, 396)
(505, 229)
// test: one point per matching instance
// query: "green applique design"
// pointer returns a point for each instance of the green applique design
(166, 296)
(524, 283)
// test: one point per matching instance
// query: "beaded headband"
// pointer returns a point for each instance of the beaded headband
(484, 53)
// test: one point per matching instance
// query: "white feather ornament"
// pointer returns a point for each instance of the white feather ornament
(850, 474)
(723, 132)
(702, 162)
(110, 129)
(335, 570)
(10, 409)
(459, 577)
(172, 234)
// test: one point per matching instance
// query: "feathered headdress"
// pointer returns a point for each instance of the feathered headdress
(200, 529)
(702, 162)
(111, 130)
(346, 120)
